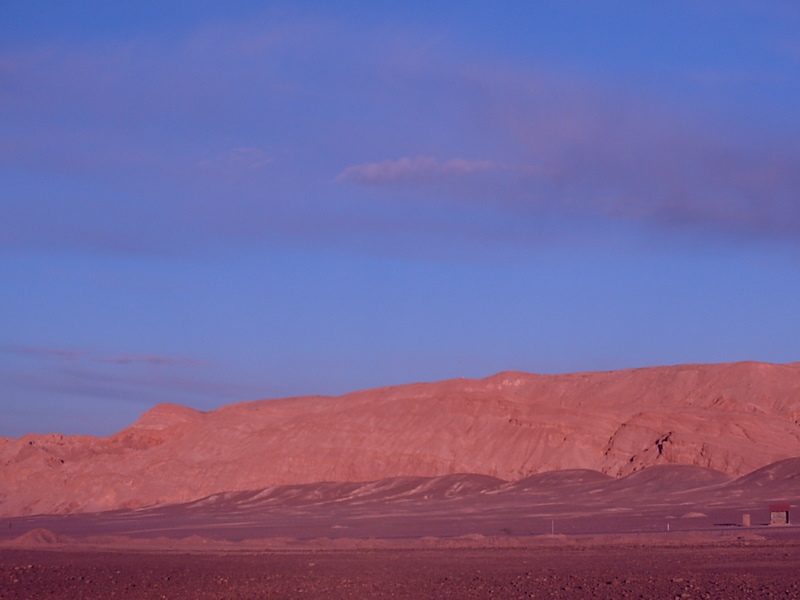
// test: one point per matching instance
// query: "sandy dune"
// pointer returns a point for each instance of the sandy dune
(732, 418)
(667, 499)
(668, 531)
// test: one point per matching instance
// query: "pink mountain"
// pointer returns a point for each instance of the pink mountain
(734, 418)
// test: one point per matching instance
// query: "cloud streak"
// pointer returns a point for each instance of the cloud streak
(585, 154)
(236, 159)
(152, 360)
(132, 378)
(145, 388)
(224, 136)
(86, 356)
(47, 353)
(418, 170)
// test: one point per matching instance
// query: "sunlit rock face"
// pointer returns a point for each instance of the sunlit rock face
(733, 418)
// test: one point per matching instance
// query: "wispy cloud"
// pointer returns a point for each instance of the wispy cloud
(69, 355)
(239, 133)
(416, 170)
(145, 387)
(587, 152)
(236, 159)
(47, 353)
(139, 378)
(152, 360)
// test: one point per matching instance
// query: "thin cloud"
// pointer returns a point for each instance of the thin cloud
(47, 353)
(595, 153)
(81, 121)
(237, 159)
(139, 378)
(680, 179)
(95, 381)
(75, 356)
(152, 360)
(420, 169)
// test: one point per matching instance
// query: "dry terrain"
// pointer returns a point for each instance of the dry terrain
(731, 418)
(731, 572)
(670, 503)
(650, 483)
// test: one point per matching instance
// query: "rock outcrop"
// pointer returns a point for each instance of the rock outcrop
(733, 418)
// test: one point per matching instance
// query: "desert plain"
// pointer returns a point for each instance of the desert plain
(650, 483)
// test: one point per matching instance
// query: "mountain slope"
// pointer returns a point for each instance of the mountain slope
(732, 418)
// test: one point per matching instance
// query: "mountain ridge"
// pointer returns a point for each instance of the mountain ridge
(730, 417)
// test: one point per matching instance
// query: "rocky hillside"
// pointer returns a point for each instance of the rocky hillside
(733, 418)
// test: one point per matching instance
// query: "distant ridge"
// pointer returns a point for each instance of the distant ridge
(732, 418)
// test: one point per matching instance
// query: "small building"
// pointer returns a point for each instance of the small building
(778, 514)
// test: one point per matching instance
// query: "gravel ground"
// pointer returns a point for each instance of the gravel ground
(718, 572)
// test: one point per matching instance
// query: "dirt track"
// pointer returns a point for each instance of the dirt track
(718, 572)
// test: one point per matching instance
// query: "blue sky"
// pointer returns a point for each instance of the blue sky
(206, 202)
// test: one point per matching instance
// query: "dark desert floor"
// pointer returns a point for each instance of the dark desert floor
(730, 571)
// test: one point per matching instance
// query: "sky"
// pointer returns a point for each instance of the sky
(209, 202)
